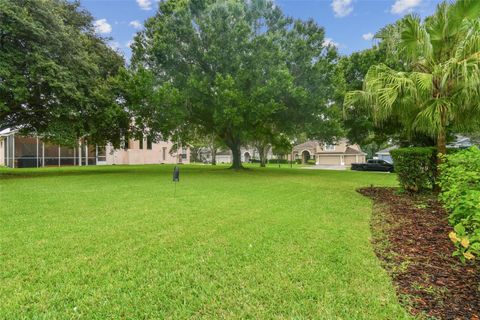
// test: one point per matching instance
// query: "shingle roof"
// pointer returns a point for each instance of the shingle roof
(386, 150)
(351, 150)
(309, 145)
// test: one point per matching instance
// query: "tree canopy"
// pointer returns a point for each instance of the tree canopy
(55, 73)
(236, 69)
(438, 89)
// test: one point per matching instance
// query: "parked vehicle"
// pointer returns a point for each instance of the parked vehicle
(373, 165)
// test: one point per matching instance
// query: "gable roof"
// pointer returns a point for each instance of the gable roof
(386, 150)
(309, 145)
(351, 150)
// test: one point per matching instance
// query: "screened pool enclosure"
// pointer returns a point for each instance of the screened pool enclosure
(30, 152)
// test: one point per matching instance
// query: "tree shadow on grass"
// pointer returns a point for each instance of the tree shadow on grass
(28, 173)
(6, 174)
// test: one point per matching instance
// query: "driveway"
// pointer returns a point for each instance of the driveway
(326, 167)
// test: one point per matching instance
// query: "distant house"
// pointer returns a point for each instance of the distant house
(338, 154)
(385, 154)
(225, 156)
(17, 151)
(461, 142)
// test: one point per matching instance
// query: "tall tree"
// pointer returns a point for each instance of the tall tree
(55, 73)
(440, 87)
(235, 68)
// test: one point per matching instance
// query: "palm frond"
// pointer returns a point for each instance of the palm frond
(423, 82)
(469, 44)
(464, 9)
(429, 120)
(355, 98)
(415, 41)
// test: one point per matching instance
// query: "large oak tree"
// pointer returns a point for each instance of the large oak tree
(231, 67)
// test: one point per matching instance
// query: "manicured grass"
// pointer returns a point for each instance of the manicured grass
(113, 242)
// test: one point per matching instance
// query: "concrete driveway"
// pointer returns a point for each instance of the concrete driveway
(326, 167)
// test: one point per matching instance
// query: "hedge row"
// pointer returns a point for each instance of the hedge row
(416, 167)
(277, 161)
(460, 193)
(272, 161)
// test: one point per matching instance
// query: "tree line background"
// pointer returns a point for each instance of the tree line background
(230, 73)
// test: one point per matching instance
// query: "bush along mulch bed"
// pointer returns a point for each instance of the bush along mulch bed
(410, 236)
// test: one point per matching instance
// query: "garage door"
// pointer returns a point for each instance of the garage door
(333, 160)
(351, 159)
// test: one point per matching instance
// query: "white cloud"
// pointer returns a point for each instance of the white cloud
(129, 43)
(145, 4)
(136, 24)
(367, 36)
(342, 8)
(115, 45)
(102, 26)
(330, 42)
(404, 6)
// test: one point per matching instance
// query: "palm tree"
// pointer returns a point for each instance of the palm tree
(441, 88)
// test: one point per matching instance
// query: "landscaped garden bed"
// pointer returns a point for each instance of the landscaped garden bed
(410, 236)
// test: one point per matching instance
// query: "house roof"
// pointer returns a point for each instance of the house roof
(386, 150)
(460, 142)
(351, 150)
(308, 145)
(348, 151)
(313, 146)
(6, 132)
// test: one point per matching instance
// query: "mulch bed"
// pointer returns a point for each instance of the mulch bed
(411, 238)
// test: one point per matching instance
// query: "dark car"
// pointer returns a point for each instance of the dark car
(373, 165)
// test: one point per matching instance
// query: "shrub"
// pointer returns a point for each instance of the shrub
(276, 161)
(416, 167)
(460, 193)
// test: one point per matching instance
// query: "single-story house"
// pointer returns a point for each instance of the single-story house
(461, 142)
(30, 151)
(225, 156)
(338, 154)
(385, 154)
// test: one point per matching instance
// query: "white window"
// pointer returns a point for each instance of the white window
(329, 147)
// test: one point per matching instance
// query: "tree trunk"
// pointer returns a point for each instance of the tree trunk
(236, 156)
(263, 160)
(262, 153)
(441, 150)
(442, 141)
(214, 156)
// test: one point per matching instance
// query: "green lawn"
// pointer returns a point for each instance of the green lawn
(113, 242)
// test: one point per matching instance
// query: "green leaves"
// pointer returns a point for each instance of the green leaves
(416, 168)
(440, 89)
(241, 70)
(460, 183)
(55, 72)
(415, 40)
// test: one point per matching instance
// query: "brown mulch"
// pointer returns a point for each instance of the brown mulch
(411, 239)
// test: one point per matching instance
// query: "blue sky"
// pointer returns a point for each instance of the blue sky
(349, 24)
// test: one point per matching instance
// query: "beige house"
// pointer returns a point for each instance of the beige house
(339, 154)
(247, 154)
(18, 151)
(146, 152)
